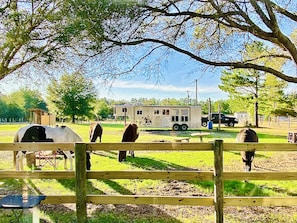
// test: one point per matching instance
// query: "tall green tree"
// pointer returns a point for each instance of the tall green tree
(102, 109)
(243, 84)
(3, 109)
(72, 96)
(249, 84)
(273, 97)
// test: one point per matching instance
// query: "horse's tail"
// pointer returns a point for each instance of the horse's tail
(16, 138)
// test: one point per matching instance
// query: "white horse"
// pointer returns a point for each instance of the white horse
(42, 133)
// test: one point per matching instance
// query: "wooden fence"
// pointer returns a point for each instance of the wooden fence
(218, 176)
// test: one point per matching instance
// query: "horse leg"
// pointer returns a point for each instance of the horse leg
(88, 159)
(69, 157)
(122, 156)
(131, 153)
(19, 160)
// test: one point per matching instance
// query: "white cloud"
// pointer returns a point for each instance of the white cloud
(147, 86)
(164, 88)
(126, 90)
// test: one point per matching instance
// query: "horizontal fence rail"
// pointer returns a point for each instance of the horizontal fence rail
(218, 176)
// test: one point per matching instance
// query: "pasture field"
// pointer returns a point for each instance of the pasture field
(154, 160)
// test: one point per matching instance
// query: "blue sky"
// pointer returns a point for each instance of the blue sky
(173, 85)
(177, 81)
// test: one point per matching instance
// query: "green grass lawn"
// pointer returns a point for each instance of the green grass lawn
(151, 160)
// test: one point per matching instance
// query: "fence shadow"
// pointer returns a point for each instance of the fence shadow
(232, 187)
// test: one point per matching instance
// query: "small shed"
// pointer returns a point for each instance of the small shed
(40, 116)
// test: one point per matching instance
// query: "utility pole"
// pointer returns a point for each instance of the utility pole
(196, 98)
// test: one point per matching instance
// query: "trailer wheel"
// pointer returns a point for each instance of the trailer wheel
(204, 124)
(184, 127)
(175, 127)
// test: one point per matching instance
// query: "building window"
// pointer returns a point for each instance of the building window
(184, 118)
(165, 112)
(124, 109)
(139, 112)
(156, 112)
(174, 118)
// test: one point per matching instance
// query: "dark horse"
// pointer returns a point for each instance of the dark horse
(41, 133)
(96, 131)
(247, 135)
(130, 135)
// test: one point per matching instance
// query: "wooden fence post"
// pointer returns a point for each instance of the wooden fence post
(81, 182)
(218, 181)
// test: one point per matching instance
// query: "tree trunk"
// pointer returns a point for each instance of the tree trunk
(256, 115)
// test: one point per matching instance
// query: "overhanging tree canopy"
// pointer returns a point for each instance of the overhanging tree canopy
(33, 33)
(211, 32)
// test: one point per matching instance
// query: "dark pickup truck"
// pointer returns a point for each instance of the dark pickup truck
(226, 120)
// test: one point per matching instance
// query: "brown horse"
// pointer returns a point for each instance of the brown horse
(96, 131)
(247, 135)
(130, 135)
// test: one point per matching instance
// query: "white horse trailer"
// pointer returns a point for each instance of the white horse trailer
(175, 117)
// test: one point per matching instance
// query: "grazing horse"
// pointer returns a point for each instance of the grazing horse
(130, 135)
(96, 131)
(41, 133)
(247, 135)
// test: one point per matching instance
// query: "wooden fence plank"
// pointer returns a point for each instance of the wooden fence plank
(274, 147)
(133, 199)
(40, 146)
(125, 146)
(37, 174)
(260, 201)
(160, 175)
(59, 199)
(260, 175)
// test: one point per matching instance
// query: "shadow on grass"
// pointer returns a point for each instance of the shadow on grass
(231, 188)
(153, 164)
(117, 187)
(70, 184)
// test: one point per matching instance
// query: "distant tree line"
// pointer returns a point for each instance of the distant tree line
(73, 97)
(15, 107)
